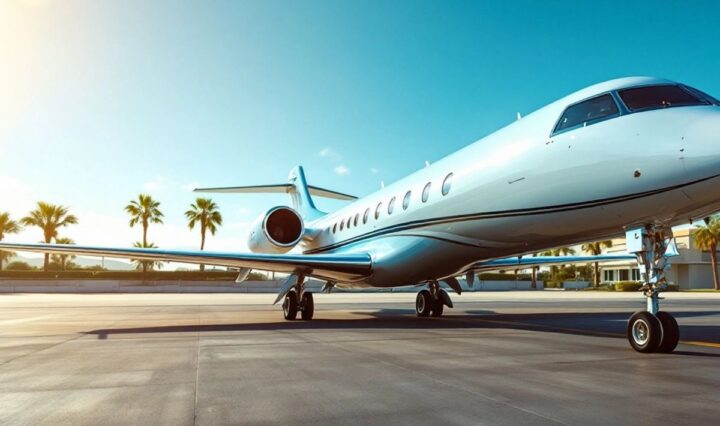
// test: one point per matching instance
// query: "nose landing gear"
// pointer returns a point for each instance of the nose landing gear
(652, 330)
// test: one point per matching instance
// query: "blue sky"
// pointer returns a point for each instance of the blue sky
(102, 100)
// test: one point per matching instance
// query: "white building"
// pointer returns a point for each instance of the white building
(691, 269)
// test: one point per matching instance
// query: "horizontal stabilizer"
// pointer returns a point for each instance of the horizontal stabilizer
(281, 188)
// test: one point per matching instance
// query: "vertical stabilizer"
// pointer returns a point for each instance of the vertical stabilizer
(300, 195)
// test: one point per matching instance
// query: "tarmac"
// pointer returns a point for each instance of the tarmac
(497, 358)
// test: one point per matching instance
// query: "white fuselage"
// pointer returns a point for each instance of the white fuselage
(522, 189)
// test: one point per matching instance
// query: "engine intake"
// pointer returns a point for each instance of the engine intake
(277, 231)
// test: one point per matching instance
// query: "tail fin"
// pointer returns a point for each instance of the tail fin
(300, 193)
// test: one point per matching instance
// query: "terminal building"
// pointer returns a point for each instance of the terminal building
(692, 269)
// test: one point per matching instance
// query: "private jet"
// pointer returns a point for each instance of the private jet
(635, 155)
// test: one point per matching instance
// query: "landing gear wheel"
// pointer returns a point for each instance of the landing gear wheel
(644, 332)
(671, 332)
(437, 309)
(423, 303)
(307, 306)
(290, 306)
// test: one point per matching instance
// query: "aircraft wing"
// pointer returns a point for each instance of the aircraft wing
(529, 262)
(331, 266)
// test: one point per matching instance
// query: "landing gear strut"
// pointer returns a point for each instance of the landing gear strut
(652, 330)
(432, 302)
(297, 300)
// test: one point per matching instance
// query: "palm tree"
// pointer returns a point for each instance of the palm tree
(49, 218)
(146, 264)
(595, 249)
(145, 211)
(706, 238)
(560, 251)
(7, 226)
(62, 259)
(204, 212)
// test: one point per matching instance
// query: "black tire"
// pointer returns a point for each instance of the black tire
(438, 308)
(671, 332)
(307, 307)
(290, 306)
(644, 332)
(423, 303)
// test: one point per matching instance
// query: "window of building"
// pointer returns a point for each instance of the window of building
(406, 200)
(377, 210)
(656, 97)
(587, 112)
(366, 215)
(357, 218)
(426, 192)
(635, 274)
(624, 275)
(446, 184)
(391, 205)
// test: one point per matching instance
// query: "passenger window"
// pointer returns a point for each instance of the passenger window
(349, 222)
(377, 210)
(334, 228)
(587, 112)
(366, 215)
(656, 97)
(357, 217)
(406, 200)
(446, 184)
(426, 192)
(342, 224)
(391, 205)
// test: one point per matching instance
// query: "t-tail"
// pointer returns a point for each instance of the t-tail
(300, 193)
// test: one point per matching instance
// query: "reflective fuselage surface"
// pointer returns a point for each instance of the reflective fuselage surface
(531, 186)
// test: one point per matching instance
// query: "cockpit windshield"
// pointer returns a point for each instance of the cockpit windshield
(656, 97)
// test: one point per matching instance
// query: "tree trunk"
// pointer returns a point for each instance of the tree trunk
(145, 227)
(597, 274)
(534, 277)
(713, 261)
(202, 245)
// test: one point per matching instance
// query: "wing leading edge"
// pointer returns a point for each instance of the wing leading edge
(342, 266)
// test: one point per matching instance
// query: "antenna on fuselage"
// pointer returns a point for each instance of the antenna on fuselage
(519, 116)
(427, 163)
(382, 184)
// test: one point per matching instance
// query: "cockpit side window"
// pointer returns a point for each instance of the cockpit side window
(587, 112)
(655, 97)
(702, 95)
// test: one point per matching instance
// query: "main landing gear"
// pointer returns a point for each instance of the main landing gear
(296, 299)
(652, 330)
(432, 302)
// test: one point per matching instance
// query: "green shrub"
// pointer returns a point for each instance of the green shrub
(628, 286)
(553, 284)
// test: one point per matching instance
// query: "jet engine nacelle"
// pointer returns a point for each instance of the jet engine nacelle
(277, 231)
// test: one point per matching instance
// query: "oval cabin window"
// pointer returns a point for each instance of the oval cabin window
(426, 192)
(446, 184)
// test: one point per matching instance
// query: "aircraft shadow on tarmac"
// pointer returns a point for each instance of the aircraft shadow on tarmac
(599, 324)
